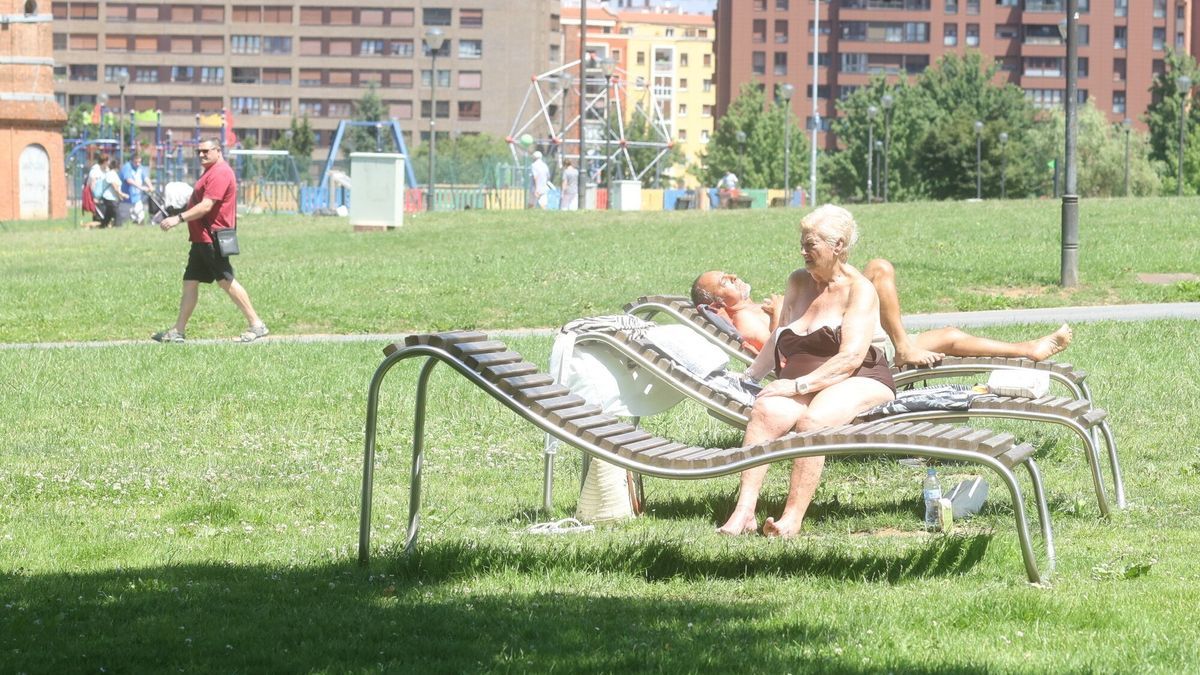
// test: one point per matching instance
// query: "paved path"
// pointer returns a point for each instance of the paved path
(1050, 315)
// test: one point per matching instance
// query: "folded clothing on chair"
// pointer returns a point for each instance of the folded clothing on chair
(941, 397)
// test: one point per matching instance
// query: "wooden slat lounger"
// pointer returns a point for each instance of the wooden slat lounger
(1072, 379)
(517, 384)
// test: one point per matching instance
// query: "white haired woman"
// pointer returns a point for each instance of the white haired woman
(827, 370)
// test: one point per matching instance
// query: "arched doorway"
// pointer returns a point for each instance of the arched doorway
(35, 183)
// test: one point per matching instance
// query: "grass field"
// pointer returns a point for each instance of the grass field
(195, 508)
(479, 269)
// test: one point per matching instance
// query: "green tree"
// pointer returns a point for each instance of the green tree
(1100, 153)
(1162, 119)
(759, 161)
(299, 140)
(369, 108)
(466, 159)
(639, 129)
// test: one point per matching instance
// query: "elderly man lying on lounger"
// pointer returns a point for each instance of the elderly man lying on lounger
(729, 295)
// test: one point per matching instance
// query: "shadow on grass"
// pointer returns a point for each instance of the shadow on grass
(425, 617)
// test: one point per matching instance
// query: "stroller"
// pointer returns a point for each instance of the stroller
(172, 201)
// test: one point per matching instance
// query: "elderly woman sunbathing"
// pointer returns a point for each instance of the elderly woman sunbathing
(826, 369)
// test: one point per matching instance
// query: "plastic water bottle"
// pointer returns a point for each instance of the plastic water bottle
(932, 491)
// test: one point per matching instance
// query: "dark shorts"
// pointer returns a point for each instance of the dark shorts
(205, 266)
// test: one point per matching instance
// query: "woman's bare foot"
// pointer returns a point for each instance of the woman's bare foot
(739, 524)
(1051, 344)
(784, 527)
(919, 358)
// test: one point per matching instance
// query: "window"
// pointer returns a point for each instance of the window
(84, 10)
(371, 48)
(708, 86)
(402, 17)
(1120, 7)
(1158, 39)
(241, 75)
(952, 6)
(758, 33)
(708, 60)
(276, 45)
(683, 84)
(470, 79)
(972, 35)
(780, 63)
(780, 6)
(277, 106)
(402, 79)
(973, 7)
(212, 75)
(1160, 9)
(443, 109)
(704, 135)
(555, 54)
(341, 17)
(116, 13)
(370, 17)
(84, 42)
(683, 135)
(436, 16)
(146, 13)
(402, 48)
(312, 108)
(950, 34)
(145, 44)
(443, 79)
(1179, 40)
(760, 5)
(245, 105)
(1044, 98)
(822, 59)
(244, 44)
(1118, 102)
(277, 76)
(443, 51)
(1120, 38)
(339, 108)
(310, 46)
(182, 45)
(82, 72)
(706, 110)
(1007, 31)
(641, 58)
(183, 74)
(211, 14)
(59, 41)
(310, 77)
(853, 63)
(470, 49)
(682, 110)
(341, 48)
(212, 45)
(340, 78)
(470, 110)
(401, 110)
(278, 15)
(781, 32)
(473, 18)
(247, 15)
(758, 63)
(1118, 70)
(312, 16)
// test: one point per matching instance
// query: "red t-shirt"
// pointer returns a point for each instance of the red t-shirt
(218, 184)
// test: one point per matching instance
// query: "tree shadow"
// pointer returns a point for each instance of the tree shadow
(412, 614)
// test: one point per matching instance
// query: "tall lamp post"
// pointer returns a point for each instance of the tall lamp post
(606, 66)
(872, 111)
(1185, 91)
(978, 159)
(878, 164)
(1069, 269)
(886, 101)
(102, 99)
(566, 81)
(433, 40)
(785, 93)
(816, 115)
(1003, 163)
(1128, 124)
(122, 82)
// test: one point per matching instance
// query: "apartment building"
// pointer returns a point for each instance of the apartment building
(667, 59)
(1121, 47)
(268, 62)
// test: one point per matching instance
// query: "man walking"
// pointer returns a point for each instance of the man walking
(213, 206)
(540, 173)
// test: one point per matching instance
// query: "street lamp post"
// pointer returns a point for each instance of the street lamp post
(1003, 163)
(978, 159)
(872, 111)
(1128, 124)
(102, 99)
(566, 81)
(886, 101)
(785, 93)
(606, 66)
(433, 40)
(878, 164)
(1185, 90)
(122, 82)
(816, 115)
(1069, 269)
(741, 139)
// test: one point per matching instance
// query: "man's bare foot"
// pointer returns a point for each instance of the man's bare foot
(739, 525)
(919, 358)
(1051, 344)
(784, 528)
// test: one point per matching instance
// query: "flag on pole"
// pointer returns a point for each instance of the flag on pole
(96, 113)
(230, 137)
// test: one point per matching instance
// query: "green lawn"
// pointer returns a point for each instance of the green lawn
(195, 508)
(479, 269)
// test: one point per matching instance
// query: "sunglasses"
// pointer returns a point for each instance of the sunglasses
(202, 151)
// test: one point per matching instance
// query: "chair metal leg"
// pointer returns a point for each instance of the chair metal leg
(364, 524)
(1023, 535)
(418, 448)
(1114, 464)
(1039, 494)
(548, 474)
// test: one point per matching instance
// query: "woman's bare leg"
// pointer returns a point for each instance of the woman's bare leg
(883, 278)
(956, 342)
(830, 407)
(770, 418)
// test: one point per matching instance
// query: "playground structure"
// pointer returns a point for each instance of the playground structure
(606, 143)
(268, 180)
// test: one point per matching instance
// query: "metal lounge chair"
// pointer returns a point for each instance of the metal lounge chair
(517, 384)
(1072, 379)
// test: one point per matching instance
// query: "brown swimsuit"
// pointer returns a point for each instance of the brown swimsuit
(798, 355)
